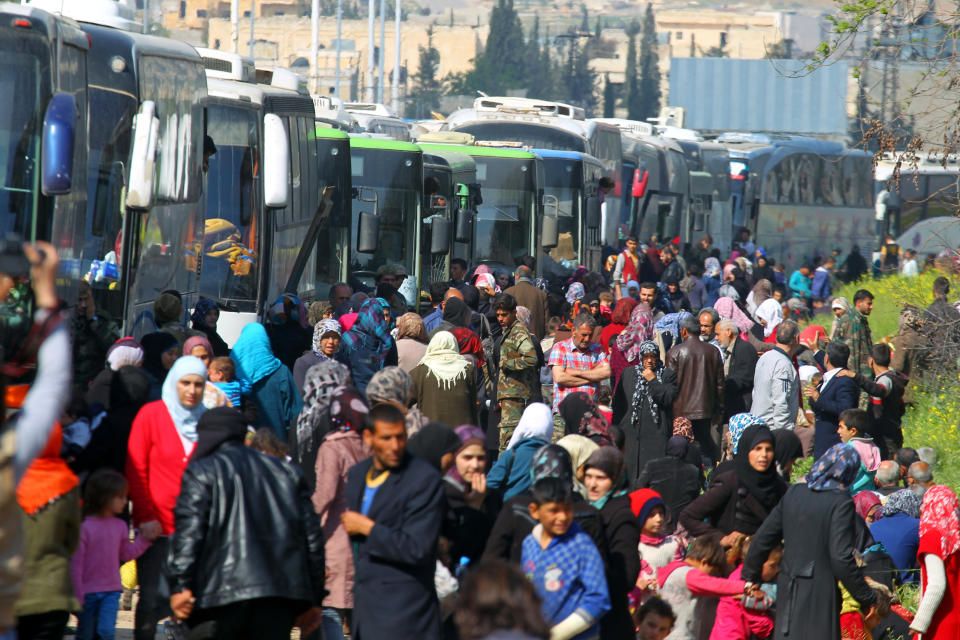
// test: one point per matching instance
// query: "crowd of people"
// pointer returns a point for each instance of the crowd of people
(609, 456)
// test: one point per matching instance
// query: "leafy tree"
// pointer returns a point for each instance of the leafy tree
(649, 70)
(609, 97)
(632, 100)
(578, 78)
(541, 76)
(781, 50)
(425, 95)
(502, 65)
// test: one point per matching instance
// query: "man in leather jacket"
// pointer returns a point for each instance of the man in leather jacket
(246, 556)
(700, 380)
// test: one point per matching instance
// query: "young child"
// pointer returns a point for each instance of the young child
(735, 621)
(853, 431)
(564, 565)
(223, 373)
(656, 550)
(604, 400)
(104, 546)
(655, 620)
(265, 440)
(690, 588)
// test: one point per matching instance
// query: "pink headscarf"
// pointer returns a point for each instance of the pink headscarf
(728, 272)
(729, 310)
(197, 341)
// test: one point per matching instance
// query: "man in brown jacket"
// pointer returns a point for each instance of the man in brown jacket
(533, 299)
(699, 372)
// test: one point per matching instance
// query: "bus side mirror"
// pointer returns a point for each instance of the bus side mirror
(276, 162)
(368, 230)
(440, 236)
(640, 178)
(146, 129)
(464, 227)
(57, 150)
(593, 212)
(549, 232)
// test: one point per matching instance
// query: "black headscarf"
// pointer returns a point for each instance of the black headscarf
(433, 441)
(456, 312)
(471, 296)
(786, 448)
(216, 427)
(129, 389)
(677, 447)
(154, 345)
(582, 417)
(766, 486)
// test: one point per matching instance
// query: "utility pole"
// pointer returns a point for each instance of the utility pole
(336, 86)
(253, 6)
(395, 89)
(235, 25)
(371, 11)
(314, 43)
(383, 47)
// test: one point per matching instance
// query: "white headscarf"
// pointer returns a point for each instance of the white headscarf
(772, 313)
(184, 419)
(444, 361)
(123, 353)
(536, 422)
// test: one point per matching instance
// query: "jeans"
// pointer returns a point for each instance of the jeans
(154, 603)
(332, 624)
(99, 616)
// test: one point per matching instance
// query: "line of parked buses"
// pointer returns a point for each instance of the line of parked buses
(152, 165)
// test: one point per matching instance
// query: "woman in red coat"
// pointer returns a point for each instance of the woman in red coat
(938, 614)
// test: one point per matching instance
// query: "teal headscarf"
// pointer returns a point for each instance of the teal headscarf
(252, 354)
(183, 418)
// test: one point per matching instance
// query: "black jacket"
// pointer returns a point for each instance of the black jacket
(725, 507)
(244, 529)
(738, 383)
(835, 398)
(623, 538)
(394, 593)
(464, 526)
(818, 533)
(677, 481)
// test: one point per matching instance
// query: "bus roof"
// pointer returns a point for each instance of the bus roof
(455, 160)
(482, 152)
(364, 142)
(325, 132)
(141, 43)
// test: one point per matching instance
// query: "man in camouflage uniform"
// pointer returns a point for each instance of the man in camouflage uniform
(518, 367)
(853, 329)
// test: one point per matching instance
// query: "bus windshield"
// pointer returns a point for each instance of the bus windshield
(396, 176)
(230, 247)
(564, 180)
(503, 220)
(24, 74)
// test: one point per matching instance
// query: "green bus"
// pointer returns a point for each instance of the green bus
(387, 189)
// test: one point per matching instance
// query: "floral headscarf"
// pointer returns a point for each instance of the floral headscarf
(728, 310)
(638, 331)
(541, 283)
(410, 325)
(287, 308)
(390, 384)
(321, 329)
(348, 411)
(711, 267)
(671, 322)
(486, 280)
(551, 461)
(317, 310)
(835, 469)
(940, 522)
(683, 427)
(738, 425)
(469, 344)
(199, 315)
(575, 292)
(321, 382)
(903, 501)
(524, 316)
(642, 388)
(579, 411)
(867, 503)
(369, 330)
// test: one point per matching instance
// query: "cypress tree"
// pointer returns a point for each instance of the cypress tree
(649, 70)
(631, 79)
(609, 97)
(425, 95)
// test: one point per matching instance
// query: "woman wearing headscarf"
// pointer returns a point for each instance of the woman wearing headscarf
(761, 292)
(737, 425)
(763, 269)
(160, 351)
(456, 313)
(199, 347)
(340, 448)
(674, 477)
(49, 501)
(129, 391)
(643, 408)
(738, 501)
(287, 329)
(897, 528)
(326, 344)
(622, 311)
(868, 506)
(514, 522)
(581, 416)
(124, 352)
(580, 449)
(435, 444)
(711, 281)
(368, 346)
(769, 315)
(740, 283)
(322, 381)
(391, 385)
(273, 390)
(443, 385)
(162, 439)
(168, 315)
(625, 351)
(411, 341)
(606, 492)
(510, 475)
(938, 617)
(816, 524)
(787, 449)
(204, 319)
(317, 311)
(472, 505)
